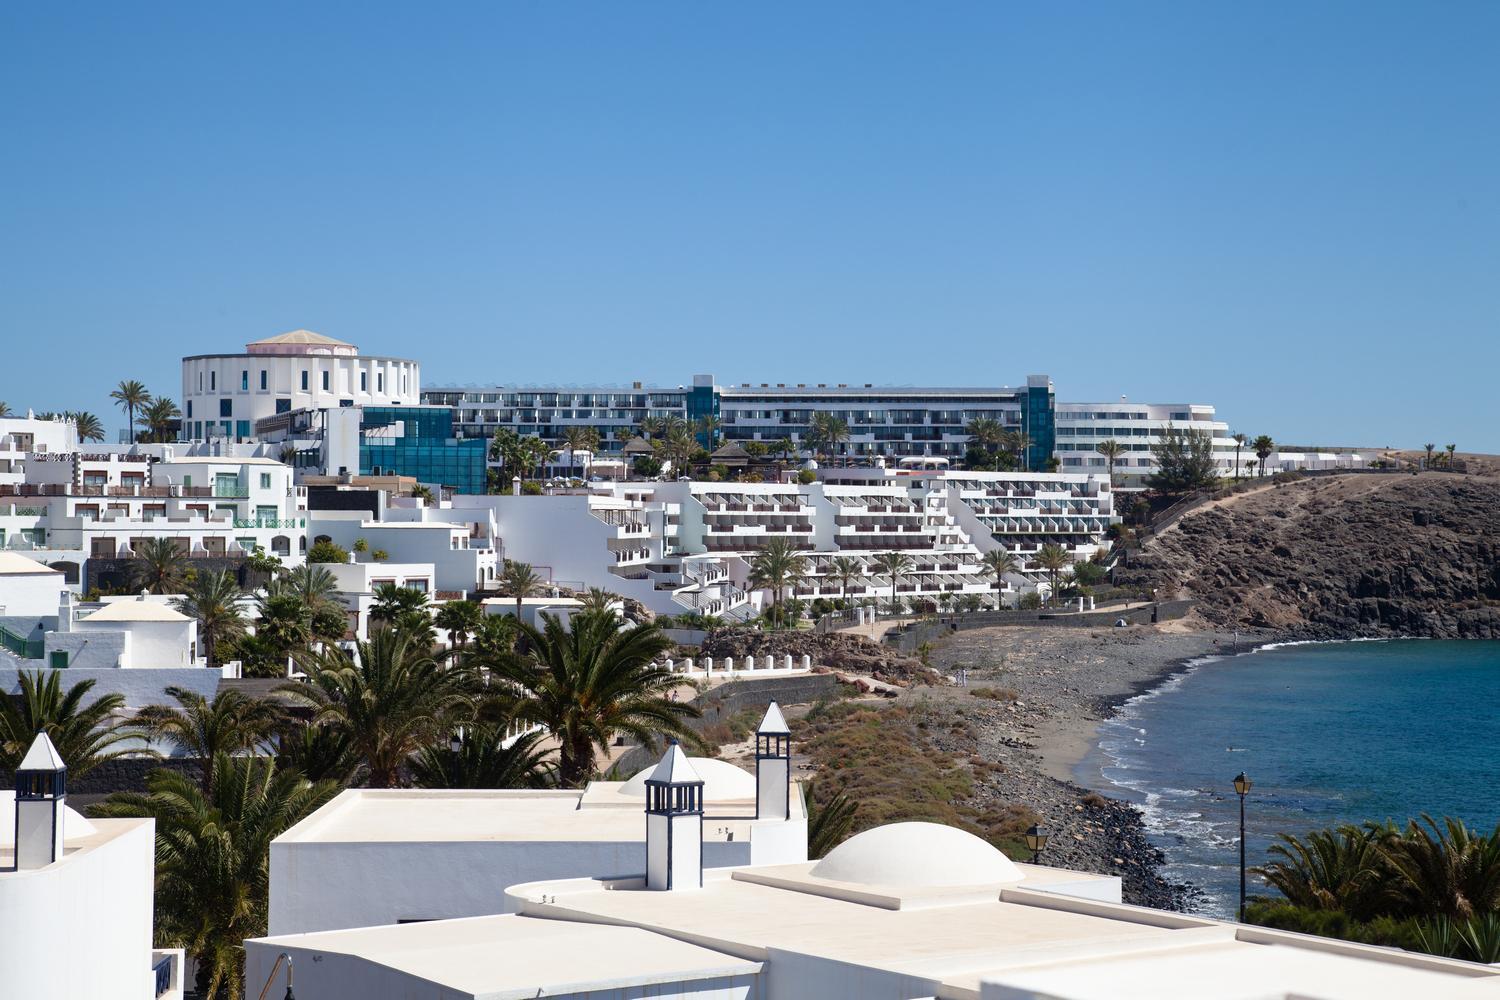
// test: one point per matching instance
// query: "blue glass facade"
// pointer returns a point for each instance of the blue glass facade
(426, 448)
(1038, 413)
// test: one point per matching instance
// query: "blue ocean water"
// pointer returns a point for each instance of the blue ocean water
(1328, 732)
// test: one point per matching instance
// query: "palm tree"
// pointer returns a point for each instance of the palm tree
(389, 700)
(82, 731)
(649, 426)
(998, 564)
(458, 619)
(213, 856)
(1240, 440)
(1444, 870)
(844, 569)
(827, 431)
(212, 599)
(5, 410)
(392, 601)
(1338, 869)
(1111, 450)
(131, 396)
(1450, 449)
(1054, 559)
(988, 436)
(775, 567)
(785, 447)
(159, 566)
(422, 493)
(1263, 446)
(481, 759)
(321, 753)
(1429, 448)
(577, 438)
(1019, 444)
(88, 426)
(597, 600)
(828, 823)
(894, 565)
(232, 723)
(312, 584)
(520, 581)
(587, 683)
(159, 414)
(708, 426)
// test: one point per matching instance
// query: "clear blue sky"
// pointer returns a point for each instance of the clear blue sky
(1289, 210)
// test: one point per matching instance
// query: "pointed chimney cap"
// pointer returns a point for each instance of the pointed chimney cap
(774, 724)
(674, 769)
(42, 756)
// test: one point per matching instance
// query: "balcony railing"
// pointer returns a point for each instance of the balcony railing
(270, 522)
(28, 649)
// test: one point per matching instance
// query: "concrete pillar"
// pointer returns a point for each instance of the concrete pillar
(786, 661)
(806, 662)
(729, 664)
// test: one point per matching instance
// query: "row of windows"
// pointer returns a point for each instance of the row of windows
(325, 378)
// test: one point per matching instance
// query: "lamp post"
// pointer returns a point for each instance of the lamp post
(1036, 838)
(1242, 787)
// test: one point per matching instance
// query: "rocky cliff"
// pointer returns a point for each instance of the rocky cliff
(1340, 557)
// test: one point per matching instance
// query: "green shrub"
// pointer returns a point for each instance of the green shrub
(807, 477)
(531, 488)
(324, 551)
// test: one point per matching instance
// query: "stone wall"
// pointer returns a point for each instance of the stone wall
(909, 638)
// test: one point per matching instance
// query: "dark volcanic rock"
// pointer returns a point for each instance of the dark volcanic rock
(1342, 557)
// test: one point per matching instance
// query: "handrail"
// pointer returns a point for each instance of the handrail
(276, 965)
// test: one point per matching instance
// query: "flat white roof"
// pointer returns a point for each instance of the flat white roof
(511, 957)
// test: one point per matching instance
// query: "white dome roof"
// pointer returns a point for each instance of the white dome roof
(722, 781)
(924, 854)
(74, 825)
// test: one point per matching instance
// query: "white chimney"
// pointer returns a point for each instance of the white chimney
(65, 612)
(773, 766)
(674, 824)
(41, 800)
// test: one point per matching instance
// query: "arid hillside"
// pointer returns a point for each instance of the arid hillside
(1345, 556)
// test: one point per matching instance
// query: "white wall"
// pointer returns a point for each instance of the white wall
(81, 927)
(140, 687)
(22, 595)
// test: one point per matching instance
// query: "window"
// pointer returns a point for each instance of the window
(190, 409)
(265, 480)
(187, 480)
(213, 379)
(242, 428)
(58, 660)
(200, 381)
(262, 380)
(244, 380)
(325, 381)
(304, 380)
(283, 406)
(226, 409)
(364, 381)
(380, 381)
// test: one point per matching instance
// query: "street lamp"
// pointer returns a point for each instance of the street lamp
(1242, 788)
(1036, 838)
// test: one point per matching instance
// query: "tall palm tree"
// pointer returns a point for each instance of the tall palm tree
(649, 426)
(785, 447)
(844, 569)
(159, 566)
(1450, 449)
(89, 427)
(894, 565)
(1111, 450)
(312, 584)
(131, 396)
(987, 435)
(84, 732)
(388, 700)
(213, 857)
(587, 683)
(775, 567)
(212, 599)
(827, 431)
(708, 426)
(159, 414)
(1338, 869)
(1263, 446)
(578, 438)
(999, 563)
(479, 760)
(1240, 440)
(1445, 870)
(1053, 558)
(1429, 448)
(458, 619)
(232, 723)
(520, 581)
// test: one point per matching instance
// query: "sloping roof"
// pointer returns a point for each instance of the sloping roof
(731, 449)
(774, 723)
(674, 769)
(301, 337)
(637, 446)
(15, 564)
(42, 756)
(137, 610)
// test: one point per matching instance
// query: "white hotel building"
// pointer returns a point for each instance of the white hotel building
(225, 394)
(1138, 427)
(686, 547)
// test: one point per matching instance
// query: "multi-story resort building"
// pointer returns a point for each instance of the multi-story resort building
(225, 394)
(891, 421)
(1138, 428)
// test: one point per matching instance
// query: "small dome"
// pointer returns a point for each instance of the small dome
(918, 854)
(722, 781)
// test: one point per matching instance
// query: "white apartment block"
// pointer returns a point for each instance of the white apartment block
(459, 547)
(72, 507)
(1138, 427)
(686, 547)
(21, 436)
(225, 394)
